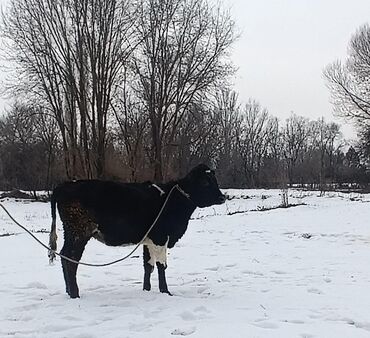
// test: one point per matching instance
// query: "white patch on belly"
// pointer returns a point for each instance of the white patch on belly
(158, 253)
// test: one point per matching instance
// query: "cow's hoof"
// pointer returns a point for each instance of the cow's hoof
(166, 291)
(74, 295)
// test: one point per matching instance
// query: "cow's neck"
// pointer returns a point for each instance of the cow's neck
(182, 189)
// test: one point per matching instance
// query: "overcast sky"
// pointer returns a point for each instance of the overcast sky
(284, 46)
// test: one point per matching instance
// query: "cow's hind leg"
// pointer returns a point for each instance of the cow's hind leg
(73, 248)
(148, 269)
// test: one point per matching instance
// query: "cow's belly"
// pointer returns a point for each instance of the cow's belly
(113, 241)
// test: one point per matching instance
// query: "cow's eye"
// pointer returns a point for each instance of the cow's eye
(210, 172)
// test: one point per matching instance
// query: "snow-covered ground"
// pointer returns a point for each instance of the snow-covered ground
(296, 272)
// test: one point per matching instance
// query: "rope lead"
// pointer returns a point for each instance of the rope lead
(91, 264)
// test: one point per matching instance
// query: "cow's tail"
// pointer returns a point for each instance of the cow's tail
(53, 232)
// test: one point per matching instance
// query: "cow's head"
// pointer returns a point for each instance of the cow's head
(201, 184)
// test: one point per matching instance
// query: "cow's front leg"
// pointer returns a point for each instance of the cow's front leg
(148, 268)
(155, 255)
(162, 278)
(161, 261)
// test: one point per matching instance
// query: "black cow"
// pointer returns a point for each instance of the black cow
(121, 213)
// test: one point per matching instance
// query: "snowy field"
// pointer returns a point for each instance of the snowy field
(297, 272)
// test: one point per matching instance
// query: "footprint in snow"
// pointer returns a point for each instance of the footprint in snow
(293, 321)
(314, 290)
(193, 273)
(28, 307)
(33, 285)
(72, 318)
(183, 332)
(266, 325)
(140, 327)
(202, 289)
(255, 273)
(230, 265)
(201, 309)
(187, 315)
(95, 288)
(58, 328)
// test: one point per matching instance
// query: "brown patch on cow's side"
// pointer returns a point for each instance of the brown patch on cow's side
(77, 221)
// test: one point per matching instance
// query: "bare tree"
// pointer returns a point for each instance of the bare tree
(295, 135)
(229, 125)
(197, 138)
(324, 136)
(183, 54)
(47, 132)
(25, 142)
(257, 126)
(70, 56)
(364, 144)
(349, 82)
(275, 173)
(131, 131)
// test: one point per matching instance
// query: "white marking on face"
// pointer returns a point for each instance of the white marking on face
(157, 253)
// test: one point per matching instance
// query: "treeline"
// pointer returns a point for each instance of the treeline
(140, 90)
(248, 146)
